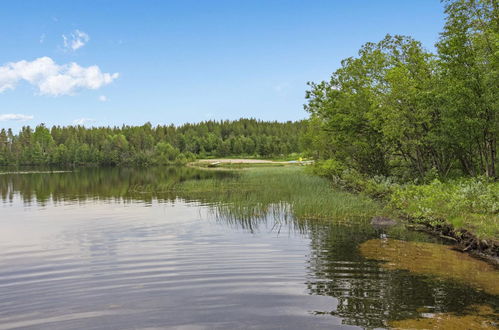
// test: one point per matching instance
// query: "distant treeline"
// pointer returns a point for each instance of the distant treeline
(398, 109)
(147, 145)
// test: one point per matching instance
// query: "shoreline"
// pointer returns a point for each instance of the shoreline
(463, 240)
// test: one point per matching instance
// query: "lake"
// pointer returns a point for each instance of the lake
(122, 249)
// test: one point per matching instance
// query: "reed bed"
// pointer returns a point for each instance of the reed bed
(255, 192)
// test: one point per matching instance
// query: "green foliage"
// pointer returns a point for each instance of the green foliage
(466, 203)
(469, 64)
(399, 110)
(330, 168)
(377, 186)
(146, 145)
(165, 153)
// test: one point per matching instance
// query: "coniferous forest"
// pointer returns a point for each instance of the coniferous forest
(147, 145)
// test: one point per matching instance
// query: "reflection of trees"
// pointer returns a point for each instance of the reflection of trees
(369, 295)
(98, 183)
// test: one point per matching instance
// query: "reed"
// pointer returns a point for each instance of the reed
(255, 192)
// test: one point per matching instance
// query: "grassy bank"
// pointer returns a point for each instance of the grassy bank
(470, 204)
(256, 191)
(466, 204)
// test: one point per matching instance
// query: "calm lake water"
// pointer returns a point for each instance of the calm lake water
(92, 249)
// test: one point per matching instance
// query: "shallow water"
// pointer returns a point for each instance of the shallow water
(95, 249)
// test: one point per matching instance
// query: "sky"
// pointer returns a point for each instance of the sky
(108, 63)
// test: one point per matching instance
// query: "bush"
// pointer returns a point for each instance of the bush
(466, 203)
(350, 179)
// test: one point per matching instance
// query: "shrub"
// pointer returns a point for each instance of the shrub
(466, 203)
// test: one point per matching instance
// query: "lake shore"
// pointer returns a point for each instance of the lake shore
(464, 240)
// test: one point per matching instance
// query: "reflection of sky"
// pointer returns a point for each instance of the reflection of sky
(172, 262)
(95, 227)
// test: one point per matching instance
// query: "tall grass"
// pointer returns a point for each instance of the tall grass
(256, 192)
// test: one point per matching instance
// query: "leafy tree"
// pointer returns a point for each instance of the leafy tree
(469, 53)
(397, 109)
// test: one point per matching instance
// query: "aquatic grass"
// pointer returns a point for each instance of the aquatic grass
(253, 192)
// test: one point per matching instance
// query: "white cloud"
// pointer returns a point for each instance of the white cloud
(42, 38)
(83, 121)
(103, 98)
(53, 79)
(76, 40)
(15, 116)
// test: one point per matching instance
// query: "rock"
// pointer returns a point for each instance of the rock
(382, 222)
(484, 244)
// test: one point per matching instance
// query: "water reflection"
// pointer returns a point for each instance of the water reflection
(79, 250)
(370, 295)
(100, 183)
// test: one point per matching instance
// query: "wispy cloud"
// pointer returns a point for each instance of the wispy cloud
(15, 117)
(53, 79)
(75, 40)
(42, 38)
(103, 98)
(83, 121)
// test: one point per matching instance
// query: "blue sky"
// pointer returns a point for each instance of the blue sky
(184, 61)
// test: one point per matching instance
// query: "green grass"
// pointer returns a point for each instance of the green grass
(257, 191)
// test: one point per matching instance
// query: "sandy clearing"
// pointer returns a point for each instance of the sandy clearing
(240, 161)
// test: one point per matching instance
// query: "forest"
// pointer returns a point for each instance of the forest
(147, 145)
(402, 111)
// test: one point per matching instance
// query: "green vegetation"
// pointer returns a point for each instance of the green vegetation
(256, 191)
(465, 203)
(397, 117)
(146, 145)
(399, 110)
(472, 204)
